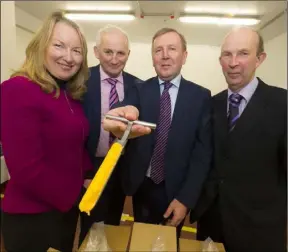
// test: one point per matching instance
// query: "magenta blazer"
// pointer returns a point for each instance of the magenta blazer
(43, 140)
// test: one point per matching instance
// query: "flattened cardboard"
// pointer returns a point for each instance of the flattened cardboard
(144, 235)
(193, 246)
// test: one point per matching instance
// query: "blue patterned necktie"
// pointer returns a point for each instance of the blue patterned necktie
(233, 114)
(113, 98)
(163, 126)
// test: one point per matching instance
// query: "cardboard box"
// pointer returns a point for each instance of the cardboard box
(193, 245)
(144, 235)
(52, 250)
(140, 237)
(117, 238)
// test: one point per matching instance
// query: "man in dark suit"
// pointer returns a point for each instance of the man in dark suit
(108, 84)
(244, 200)
(164, 170)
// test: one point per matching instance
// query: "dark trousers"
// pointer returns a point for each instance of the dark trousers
(38, 232)
(150, 202)
(210, 225)
(110, 206)
(258, 238)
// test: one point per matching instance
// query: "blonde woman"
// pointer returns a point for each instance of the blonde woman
(43, 133)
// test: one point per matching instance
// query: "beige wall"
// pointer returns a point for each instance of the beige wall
(274, 69)
(8, 38)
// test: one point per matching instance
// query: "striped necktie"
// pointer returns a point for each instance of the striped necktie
(163, 126)
(233, 114)
(113, 98)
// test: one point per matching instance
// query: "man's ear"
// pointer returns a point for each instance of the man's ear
(184, 57)
(260, 58)
(96, 52)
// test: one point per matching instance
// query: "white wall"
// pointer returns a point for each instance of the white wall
(26, 20)
(274, 69)
(23, 38)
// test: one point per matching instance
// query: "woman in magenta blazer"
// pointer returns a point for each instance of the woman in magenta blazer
(43, 134)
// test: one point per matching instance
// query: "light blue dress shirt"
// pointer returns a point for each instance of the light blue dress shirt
(246, 92)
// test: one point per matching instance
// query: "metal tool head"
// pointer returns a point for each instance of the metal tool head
(122, 119)
(125, 136)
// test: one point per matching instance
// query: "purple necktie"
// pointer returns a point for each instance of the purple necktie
(163, 126)
(233, 115)
(113, 98)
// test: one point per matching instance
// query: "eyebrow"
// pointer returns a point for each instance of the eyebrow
(75, 47)
(108, 49)
(167, 45)
(240, 50)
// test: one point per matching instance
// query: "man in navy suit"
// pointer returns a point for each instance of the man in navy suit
(165, 170)
(108, 84)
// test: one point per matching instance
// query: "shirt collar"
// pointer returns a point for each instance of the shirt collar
(248, 90)
(176, 81)
(104, 76)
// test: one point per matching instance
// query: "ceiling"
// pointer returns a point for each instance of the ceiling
(157, 15)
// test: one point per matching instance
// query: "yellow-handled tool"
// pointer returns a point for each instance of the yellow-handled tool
(98, 183)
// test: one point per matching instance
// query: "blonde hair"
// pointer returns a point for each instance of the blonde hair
(34, 67)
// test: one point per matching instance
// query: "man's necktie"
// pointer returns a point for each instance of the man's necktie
(113, 98)
(163, 126)
(233, 114)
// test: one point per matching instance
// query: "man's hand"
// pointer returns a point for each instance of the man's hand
(117, 128)
(179, 212)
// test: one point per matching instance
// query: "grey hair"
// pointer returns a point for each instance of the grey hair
(107, 29)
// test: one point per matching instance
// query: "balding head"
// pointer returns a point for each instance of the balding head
(247, 32)
(242, 52)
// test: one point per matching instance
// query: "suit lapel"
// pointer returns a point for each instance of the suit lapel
(183, 106)
(127, 81)
(220, 120)
(95, 90)
(183, 96)
(94, 103)
(151, 101)
(150, 104)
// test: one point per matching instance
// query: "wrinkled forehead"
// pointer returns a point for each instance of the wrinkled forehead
(167, 39)
(66, 34)
(115, 41)
(240, 41)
